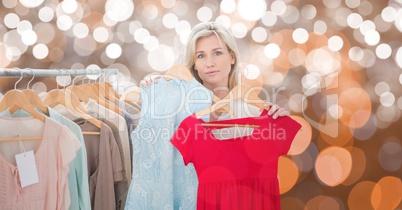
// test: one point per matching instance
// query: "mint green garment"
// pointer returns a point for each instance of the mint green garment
(78, 175)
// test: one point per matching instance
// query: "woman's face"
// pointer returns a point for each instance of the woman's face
(213, 62)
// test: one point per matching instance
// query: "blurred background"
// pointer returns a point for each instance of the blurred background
(336, 65)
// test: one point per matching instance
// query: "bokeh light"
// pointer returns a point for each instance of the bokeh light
(333, 165)
(251, 72)
(204, 14)
(251, 10)
(119, 10)
(387, 193)
(170, 20)
(389, 156)
(303, 137)
(113, 50)
(383, 51)
(259, 34)
(228, 6)
(40, 51)
(11, 20)
(361, 195)
(31, 3)
(272, 51)
(300, 35)
(80, 30)
(287, 174)
(64, 22)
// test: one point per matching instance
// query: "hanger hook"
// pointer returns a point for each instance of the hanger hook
(22, 74)
(33, 77)
(64, 84)
(61, 74)
(90, 73)
(76, 76)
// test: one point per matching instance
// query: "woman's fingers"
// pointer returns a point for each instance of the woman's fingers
(149, 80)
(275, 110)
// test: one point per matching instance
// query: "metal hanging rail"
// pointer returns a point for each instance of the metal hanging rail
(26, 72)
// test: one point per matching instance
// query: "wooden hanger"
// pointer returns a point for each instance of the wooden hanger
(177, 71)
(105, 102)
(33, 98)
(223, 109)
(93, 93)
(16, 98)
(19, 99)
(82, 96)
(71, 101)
(77, 90)
(242, 92)
(110, 89)
(101, 89)
(129, 97)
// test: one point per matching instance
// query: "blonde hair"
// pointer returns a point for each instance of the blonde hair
(206, 29)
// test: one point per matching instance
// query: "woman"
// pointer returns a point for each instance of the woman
(213, 58)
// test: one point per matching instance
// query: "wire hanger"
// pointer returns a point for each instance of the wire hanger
(33, 98)
(242, 92)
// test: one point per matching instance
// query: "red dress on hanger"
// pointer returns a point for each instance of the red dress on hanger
(236, 173)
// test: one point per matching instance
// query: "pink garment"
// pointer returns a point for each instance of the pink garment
(52, 155)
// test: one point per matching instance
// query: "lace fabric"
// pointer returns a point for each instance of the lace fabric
(160, 180)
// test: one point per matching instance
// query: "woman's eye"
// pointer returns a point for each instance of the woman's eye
(218, 53)
(200, 55)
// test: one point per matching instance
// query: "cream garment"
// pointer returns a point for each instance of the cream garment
(52, 154)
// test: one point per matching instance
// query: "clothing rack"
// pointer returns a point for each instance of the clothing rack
(28, 72)
(15, 72)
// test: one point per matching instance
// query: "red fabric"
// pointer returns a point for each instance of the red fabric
(237, 173)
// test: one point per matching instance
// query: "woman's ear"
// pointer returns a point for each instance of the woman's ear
(233, 59)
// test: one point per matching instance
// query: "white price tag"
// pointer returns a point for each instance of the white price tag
(27, 171)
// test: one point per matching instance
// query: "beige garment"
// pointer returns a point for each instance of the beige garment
(105, 168)
(121, 188)
(99, 111)
(119, 121)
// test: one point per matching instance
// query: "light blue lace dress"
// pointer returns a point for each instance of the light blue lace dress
(160, 179)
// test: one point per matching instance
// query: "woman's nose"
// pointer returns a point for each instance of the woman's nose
(210, 62)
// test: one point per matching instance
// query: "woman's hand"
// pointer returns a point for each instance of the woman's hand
(275, 110)
(149, 79)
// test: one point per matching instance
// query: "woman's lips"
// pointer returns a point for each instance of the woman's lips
(212, 72)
